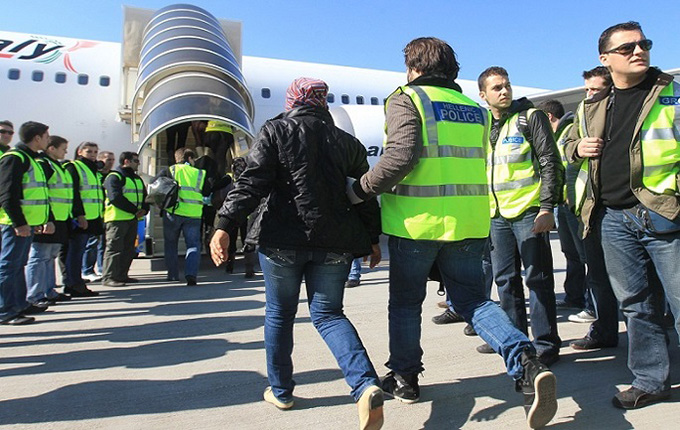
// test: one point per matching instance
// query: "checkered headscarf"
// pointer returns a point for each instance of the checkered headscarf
(306, 92)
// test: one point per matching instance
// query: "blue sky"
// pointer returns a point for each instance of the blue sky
(541, 44)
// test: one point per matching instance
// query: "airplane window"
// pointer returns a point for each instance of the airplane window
(266, 93)
(374, 101)
(13, 74)
(37, 76)
(104, 81)
(360, 100)
(345, 99)
(60, 78)
(331, 98)
(83, 79)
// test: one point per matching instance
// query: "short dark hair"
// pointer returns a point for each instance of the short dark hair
(599, 71)
(491, 71)
(56, 141)
(7, 123)
(126, 155)
(103, 154)
(607, 34)
(29, 130)
(85, 145)
(429, 55)
(553, 107)
(182, 155)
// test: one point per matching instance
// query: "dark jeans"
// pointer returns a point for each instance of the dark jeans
(572, 248)
(173, 225)
(642, 268)
(460, 264)
(120, 249)
(74, 260)
(13, 259)
(94, 254)
(324, 274)
(515, 244)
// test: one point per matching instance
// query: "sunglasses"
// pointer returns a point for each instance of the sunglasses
(628, 48)
(10, 132)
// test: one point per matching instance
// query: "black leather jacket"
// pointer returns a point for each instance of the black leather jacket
(301, 161)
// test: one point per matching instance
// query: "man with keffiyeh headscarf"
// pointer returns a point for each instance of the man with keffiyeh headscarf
(309, 229)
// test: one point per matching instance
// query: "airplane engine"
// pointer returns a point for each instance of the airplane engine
(366, 123)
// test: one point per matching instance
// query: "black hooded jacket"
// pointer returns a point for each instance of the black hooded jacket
(301, 160)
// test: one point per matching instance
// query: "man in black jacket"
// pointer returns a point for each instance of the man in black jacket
(526, 177)
(125, 205)
(301, 160)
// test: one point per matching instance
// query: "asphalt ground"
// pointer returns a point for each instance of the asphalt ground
(160, 355)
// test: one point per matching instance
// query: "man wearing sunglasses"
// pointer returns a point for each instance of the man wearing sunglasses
(6, 133)
(627, 136)
(125, 205)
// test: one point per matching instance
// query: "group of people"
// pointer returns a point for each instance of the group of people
(460, 184)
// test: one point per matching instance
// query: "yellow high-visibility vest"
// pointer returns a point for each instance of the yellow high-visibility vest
(35, 202)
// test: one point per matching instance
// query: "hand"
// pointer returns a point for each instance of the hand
(376, 255)
(219, 244)
(22, 230)
(140, 214)
(590, 147)
(82, 222)
(544, 222)
(48, 228)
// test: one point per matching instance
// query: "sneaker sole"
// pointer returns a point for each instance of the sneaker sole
(402, 399)
(371, 409)
(581, 320)
(544, 407)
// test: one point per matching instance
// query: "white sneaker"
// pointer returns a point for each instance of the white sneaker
(583, 317)
(92, 278)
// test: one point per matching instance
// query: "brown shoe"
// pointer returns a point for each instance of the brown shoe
(370, 406)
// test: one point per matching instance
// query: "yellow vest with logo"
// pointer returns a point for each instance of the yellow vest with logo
(218, 126)
(60, 191)
(34, 204)
(91, 191)
(133, 191)
(445, 196)
(514, 183)
(190, 199)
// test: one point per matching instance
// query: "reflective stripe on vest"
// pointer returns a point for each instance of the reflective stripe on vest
(60, 190)
(445, 196)
(218, 126)
(133, 191)
(34, 204)
(91, 191)
(660, 136)
(514, 183)
(190, 199)
(580, 187)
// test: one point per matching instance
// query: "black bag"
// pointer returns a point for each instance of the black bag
(651, 222)
(164, 192)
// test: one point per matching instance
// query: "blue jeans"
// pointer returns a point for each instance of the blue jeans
(642, 267)
(574, 252)
(514, 244)
(460, 264)
(13, 257)
(191, 229)
(355, 270)
(487, 270)
(94, 254)
(325, 274)
(40, 277)
(74, 260)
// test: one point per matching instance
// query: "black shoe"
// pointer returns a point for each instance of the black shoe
(587, 343)
(33, 309)
(539, 387)
(549, 358)
(191, 281)
(402, 387)
(448, 317)
(81, 292)
(249, 274)
(131, 280)
(59, 298)
(469, 330)
(351, 283)
(172, 278)
(635, 398)
(18, 320)
(112, 283)
(485, 349)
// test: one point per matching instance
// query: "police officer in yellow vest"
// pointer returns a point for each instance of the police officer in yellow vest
(186, 216)
(629, 141)
(40, 270)
(435, 208)
(125, 206)
(88, 212)
(24, 210)
(526, 177)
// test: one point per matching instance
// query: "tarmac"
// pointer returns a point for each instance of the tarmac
(161, 355)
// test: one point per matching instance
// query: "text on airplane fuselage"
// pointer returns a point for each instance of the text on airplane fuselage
(29, 49)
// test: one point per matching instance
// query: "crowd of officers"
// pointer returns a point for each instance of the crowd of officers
(610, 169)
(81, 214)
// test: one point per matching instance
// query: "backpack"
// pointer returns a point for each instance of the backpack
(164, 192)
